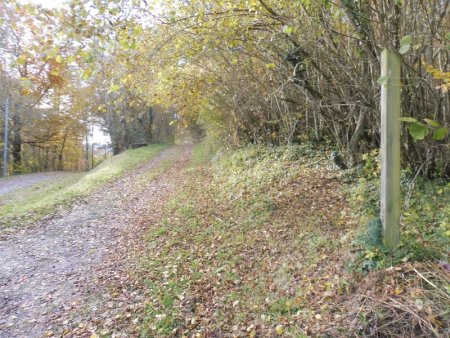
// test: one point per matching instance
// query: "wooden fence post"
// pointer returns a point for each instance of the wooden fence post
(390, 148)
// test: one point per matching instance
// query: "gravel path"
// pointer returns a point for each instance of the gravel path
(46, 270)
(10, 184)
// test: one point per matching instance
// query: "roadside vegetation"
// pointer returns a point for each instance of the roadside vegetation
(425, 226)
(28, 205)
(265, 241)
(275, 227)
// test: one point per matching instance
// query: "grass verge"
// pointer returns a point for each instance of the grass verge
(251, 246)
(27, 205)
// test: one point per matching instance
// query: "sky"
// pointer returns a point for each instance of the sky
(47, 3)
(99, 137)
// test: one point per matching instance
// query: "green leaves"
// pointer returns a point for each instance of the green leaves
(288, 30)
(138, 30)
(86, 56)
(419, 130)
(87, 73)
(21, 60)
(408, 119)
(405, 44)
(440, 134)
(432, 123)
(114, 88)
(52, 53)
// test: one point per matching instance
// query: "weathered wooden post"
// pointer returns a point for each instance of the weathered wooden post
(390, 148)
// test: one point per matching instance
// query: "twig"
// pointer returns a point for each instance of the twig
(426, 280)
(411, 188)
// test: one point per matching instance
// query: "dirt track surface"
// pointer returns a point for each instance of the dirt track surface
(13, 183)
(49, 269)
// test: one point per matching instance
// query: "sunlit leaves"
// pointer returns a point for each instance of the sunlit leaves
(114, 88)
(279, 330)
(86, 56)
(22, 60)
(52, 53)
(440, 75)
(87, 73)
(102, 108)
(126, 79)
(288, 29)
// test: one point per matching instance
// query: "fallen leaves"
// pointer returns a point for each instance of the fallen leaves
(249, 263)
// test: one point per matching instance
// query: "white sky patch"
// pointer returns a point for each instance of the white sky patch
(47, 3)
(99, 137)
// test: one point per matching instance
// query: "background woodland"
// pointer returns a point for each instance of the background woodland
(255, 71)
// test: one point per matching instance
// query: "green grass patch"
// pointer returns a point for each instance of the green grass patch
(24, 206)
(202, 153)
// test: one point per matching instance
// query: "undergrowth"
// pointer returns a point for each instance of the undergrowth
(425, 215)
(405, 292)
(259, 241)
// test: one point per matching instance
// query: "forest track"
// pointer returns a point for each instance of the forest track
(13, 183)
(47, 270)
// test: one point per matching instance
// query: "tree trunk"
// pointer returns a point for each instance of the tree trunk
(16, 144)
(60, 155)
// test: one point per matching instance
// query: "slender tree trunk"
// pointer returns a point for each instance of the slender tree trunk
(60, 155)
(5, 140)
(86, 154)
